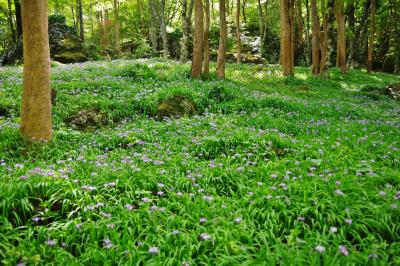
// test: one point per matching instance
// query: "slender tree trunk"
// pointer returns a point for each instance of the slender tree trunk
(14, 36)
(341, 36)
(197, 62)
(351, 23)
(206, 67)
(223, 36)
(287, 36)
(36, 98)
(397, 36)
(238, 39)
(263, 26)
(81, 26)
(307, 34)
(186, 32)
(74, 17)
(324, 38)
(163, 29)
(244, 11)
(316, 32)
(116, 25)
(371, 37)
(18, 18)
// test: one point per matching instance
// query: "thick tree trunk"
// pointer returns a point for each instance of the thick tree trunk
(371, 37)
(197, 62)
(238, 39)
(36, 98)
(81, 26)
(163, 29)
(153, 24)
(18, 18)
(287, 36)
(206, 67)
(341, 36)
(223, 36)
(116, 25)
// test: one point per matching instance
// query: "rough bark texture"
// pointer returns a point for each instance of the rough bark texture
(351, 23)
(185, 31)
(371, 37)
(206, 65)
(153, 24)
(36, 98)
(320, 35)
(163, 29)
(81, 26)
(341, 36)
(238, 39)
(287, 36)
(197, 62)
(18, 17)
(116, 25)
(223, 36)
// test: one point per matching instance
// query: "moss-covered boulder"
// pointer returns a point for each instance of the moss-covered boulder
(65, 45)
(176, 106)
(393, 91)
(87, 119)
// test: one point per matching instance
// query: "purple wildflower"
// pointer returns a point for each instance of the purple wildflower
(343, 250)
(51, 242)
(107, 243)
(205, 236)
(348, 221)
(320, 249)
(203, 220)
(333, 229)
(154, 250)
(238, 220)
(339, 192)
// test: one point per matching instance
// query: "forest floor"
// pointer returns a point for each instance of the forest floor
(269, 170)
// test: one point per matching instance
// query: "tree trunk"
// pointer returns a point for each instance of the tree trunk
(116, 25)
(185, 32)
(238, 39)
(18, 17)
(223, 36)
(153, 24)
(244, 11)
(81, 26)
(197, 62)
(307, 34)
(341, 36)
(287, 36)
(14, 36)
(36, 98)
(316, 32)
(324, 39)
(371, 37)
(206, 67)
(351, 23)
(163, 29)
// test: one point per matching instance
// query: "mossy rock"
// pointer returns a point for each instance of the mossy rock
(70, 57)
(176, 106)
(393, 91)
(87, 119)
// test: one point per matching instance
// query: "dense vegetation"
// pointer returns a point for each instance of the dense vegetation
(268, 170)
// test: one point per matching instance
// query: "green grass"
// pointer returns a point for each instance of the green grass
(273, 164)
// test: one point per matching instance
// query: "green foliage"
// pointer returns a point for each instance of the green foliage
(274, 170)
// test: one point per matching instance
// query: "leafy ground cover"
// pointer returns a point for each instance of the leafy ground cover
(267, 171)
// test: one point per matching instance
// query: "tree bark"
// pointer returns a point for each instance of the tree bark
(351, 23)
(14, 36)
(238, 39)
(197, 62)
(206, 64)
(185, 31)
(18, 18)
(153, 24)
(371, 37)
(341, 36)
(81, 26)
(163, 29)
(117, 26)
(223, 36)
(36, 98)
(316, 32)
(287, 36)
